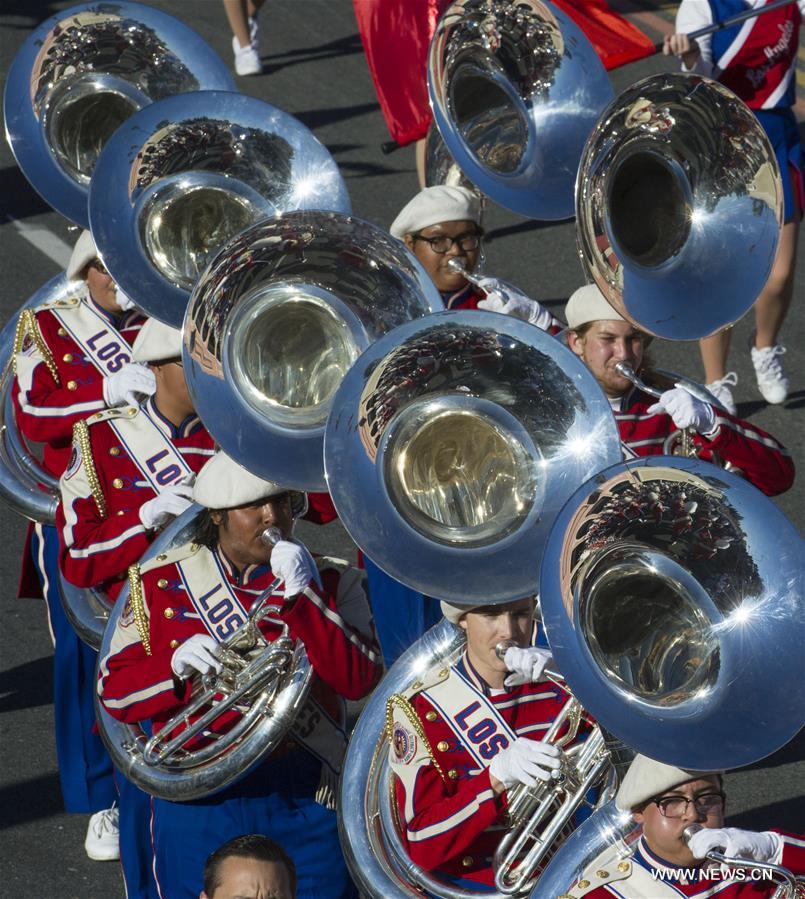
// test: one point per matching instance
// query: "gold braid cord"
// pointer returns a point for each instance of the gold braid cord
(137, 600)
(27, 324)
(398, 700)
(81, 437)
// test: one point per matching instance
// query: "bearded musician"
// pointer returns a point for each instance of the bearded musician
(71, 359)
(183, 604)
(463, 736)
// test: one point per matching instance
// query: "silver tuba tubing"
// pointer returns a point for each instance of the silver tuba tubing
(269, 694)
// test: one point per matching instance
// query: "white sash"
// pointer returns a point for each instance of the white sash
(222, 613)
(99, 341)
(160, 463)
(477, 724)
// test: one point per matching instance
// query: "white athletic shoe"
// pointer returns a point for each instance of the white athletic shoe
(771, 379)
(103, 836)
(721, 391)
(247, 59)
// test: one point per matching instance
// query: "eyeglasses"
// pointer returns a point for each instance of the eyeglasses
(442, 243)
(677, 806)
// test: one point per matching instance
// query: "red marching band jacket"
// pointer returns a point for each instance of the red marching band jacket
(103, 488)
(469, 297)
(451, 818)
(333, 621)
(57, 384)
(764, 461)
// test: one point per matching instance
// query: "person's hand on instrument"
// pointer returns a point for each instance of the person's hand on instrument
(293, 565)
(167, 505)
(526, 664)
(127, 386)
(508, 300)
(525, 762)
(735, 843)
(680, 45)
(686, 410)
(199, 653)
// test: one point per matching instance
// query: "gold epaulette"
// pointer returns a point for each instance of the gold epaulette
(64, 303)
(114, 412)
(398, 701)
(27, 326)
(169, 556)
(137, 600)
(82, 441)
(429, 679)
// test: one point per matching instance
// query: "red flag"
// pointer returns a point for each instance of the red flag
(396, 36)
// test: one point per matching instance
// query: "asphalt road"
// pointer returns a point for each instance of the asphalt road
(315, 69)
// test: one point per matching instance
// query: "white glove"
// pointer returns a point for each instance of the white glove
(525, 762)
(509, 301)
(124, 301)
(169, 504)
(292, 563)
(735, 843)
(199, 653)
(526, 664)
(685, 410)
(127, 386)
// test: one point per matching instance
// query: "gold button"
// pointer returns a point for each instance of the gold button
(583, 884)
(120, 512)
(67, 357)
(443, 672)
(467, 861)
(132, 410)
(71, 385)
(623, 866)
(61, 332)
(442, 745)
(162, 583)
(169, 613)
(431, 716)
(173, 644)
(565, 896)
(161, 557)
(117, 483)
(452, 774)
(416, 685)
(114, 450)
(602, 874)
(194, 547)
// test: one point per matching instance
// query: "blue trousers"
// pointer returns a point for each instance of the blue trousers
(401, 615)
(85, 769)
(136, 855)
(277, 801)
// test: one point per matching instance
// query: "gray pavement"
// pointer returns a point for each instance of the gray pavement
(315, 69)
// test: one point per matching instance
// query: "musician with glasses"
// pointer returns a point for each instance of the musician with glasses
(666, 800)
(602, 338)
(72, 357)
(462, 737)
(183, 604)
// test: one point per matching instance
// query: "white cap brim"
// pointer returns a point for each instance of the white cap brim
(157, 342)
(224, 484)
(434, 205)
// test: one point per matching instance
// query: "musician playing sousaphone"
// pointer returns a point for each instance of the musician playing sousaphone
(462, 737)
(603, 338)
(183, 604)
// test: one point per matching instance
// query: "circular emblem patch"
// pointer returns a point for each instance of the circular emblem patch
(74, 464)
(404, 744)
(127, 615)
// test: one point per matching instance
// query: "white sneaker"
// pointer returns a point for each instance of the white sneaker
(103, 836)
(721, 391)
(771, 379)
(247, 60)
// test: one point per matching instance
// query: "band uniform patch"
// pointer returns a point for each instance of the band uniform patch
(27, 344)
(75, 462)
(127, 615)
(404, 744)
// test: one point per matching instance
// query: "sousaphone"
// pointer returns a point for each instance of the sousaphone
(81, 74)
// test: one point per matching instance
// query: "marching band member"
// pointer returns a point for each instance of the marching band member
(443, 223)
(128, 477)
(72, 358)
(462, 736)
(184, 603)
(602, 338)
(130, 470)
(666, 800)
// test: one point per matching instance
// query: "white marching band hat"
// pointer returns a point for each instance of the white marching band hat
(588, 304)
(434, 205)
(647, 778)
(157, 342)
(224, 484)
(83, 253)
(454, 613)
